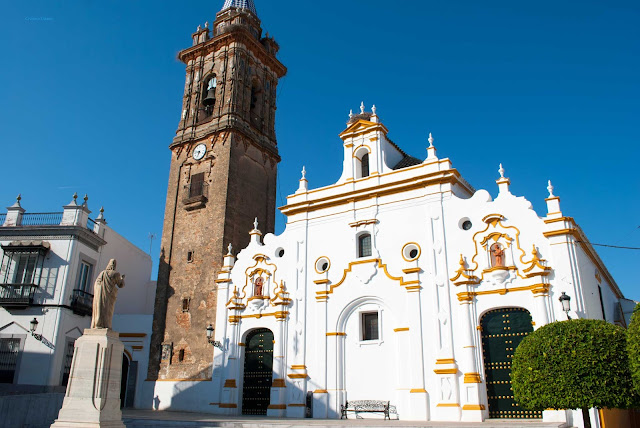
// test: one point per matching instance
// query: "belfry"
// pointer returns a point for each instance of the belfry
(223, 172)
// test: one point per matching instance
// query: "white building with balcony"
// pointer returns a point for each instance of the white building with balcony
(49, 262)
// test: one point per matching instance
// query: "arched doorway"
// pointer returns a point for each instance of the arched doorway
(502, 331)
(123, 379)
(258, 372)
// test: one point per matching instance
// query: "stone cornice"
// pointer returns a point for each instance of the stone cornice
(238, 34)
(55, 232)
(227, 122)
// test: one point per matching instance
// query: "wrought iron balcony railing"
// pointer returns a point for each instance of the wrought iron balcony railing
(81, 302)
(41, 219)
(17, 295)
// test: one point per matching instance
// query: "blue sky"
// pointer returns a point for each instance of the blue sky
(91, 98)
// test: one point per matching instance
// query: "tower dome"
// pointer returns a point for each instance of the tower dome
(240, 4)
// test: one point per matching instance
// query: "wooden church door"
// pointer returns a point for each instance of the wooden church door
(502, 331)
(258, 372)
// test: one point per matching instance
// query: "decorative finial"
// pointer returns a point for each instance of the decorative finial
(362, 107)
(550, 189)
(86, 198)
(206, 24)
(75, 196)
(430, 140)
(198, 29)
(230, 248)
(255, 224)
(304, 173)
(101, 215)
(501, 171)
(350, 113)
(19, 198)
(461, 261)
(373, 109)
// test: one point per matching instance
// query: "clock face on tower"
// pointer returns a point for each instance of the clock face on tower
(199, 151)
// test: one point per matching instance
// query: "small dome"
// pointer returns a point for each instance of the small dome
(240, 4)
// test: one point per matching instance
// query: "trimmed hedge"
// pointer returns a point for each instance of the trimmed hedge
(633, 347)
(574, 364)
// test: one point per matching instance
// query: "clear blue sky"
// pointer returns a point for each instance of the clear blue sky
(91, 98)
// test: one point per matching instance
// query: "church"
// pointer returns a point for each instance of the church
(398, 283)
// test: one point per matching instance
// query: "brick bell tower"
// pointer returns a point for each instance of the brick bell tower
(224, 161)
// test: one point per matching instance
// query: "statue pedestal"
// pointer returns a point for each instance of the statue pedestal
(93, 391)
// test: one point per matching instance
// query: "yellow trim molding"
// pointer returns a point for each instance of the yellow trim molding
(277, 406)
(297, 376)
(241, 344)
(321, 281)
(412, 270)
(297, 405)
(473, 407)
(278, 383)
(222, 280)
(535, 288)
(448, 405)
(445, 371)
(320, 391)
(230, 383)
(418, 391)
(445, 361)
(401, 329)
(299, 367)
(336, 334)
(472, 378)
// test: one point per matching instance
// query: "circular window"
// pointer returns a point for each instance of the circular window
(280, 252)
(465, 224)
(411, 251)
(322, 265)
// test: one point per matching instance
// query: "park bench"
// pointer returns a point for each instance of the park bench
(365, 406)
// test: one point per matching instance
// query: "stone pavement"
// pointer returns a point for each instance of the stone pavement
(160, 419)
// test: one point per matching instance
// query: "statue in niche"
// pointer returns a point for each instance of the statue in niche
(258, 285)
(497, 255)
(105, 291)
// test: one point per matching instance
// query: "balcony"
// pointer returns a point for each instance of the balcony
(82, 302)
(17, 296)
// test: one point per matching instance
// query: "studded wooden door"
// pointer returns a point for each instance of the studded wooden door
(258, 372)
(502, 331)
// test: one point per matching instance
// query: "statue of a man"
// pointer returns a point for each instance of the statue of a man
(498, 255)
(105, 291)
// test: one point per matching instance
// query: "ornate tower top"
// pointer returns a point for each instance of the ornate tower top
(240, 4)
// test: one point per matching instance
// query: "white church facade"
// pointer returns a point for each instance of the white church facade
(400, 283)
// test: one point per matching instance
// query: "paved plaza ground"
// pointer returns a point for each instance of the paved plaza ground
(149, 418)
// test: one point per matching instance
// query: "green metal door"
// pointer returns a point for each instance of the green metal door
(502, 332)
(258, 372)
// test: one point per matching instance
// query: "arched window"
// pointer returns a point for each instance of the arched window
(364, 165)
(364, 245)
(209, 95)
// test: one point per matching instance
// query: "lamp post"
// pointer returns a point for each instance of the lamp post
(566, 304)
(33, 325)
(215, 343)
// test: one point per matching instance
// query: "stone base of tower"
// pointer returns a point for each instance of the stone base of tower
(93, 392)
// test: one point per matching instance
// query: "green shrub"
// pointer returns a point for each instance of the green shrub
(575, 364)
(633, 347)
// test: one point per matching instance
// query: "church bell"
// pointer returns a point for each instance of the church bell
(210, 99)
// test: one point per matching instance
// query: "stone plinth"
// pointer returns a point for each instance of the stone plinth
(93, 393)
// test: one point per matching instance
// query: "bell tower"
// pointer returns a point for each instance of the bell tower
(223, 171)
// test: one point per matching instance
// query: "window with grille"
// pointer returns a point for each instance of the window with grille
(364, 164)
(68, 358)
(197, 185)
(9, 352)
(25, 268)
(370, 326)
(364, 245)
(84, 276)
